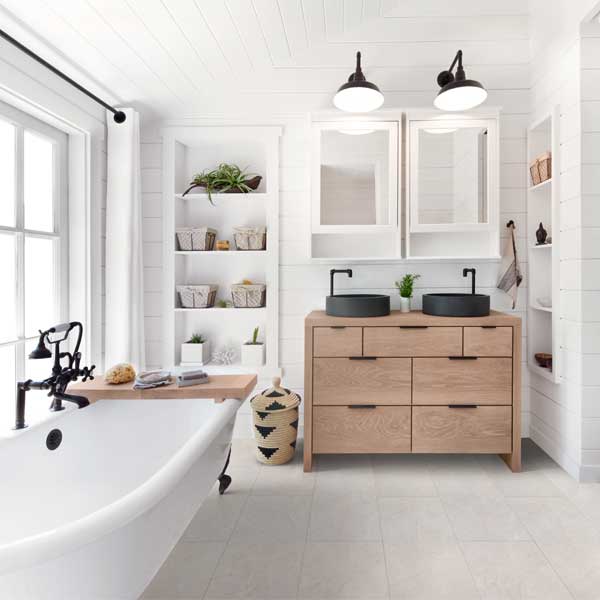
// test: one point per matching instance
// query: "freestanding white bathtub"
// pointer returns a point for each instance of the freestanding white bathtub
(96, 517)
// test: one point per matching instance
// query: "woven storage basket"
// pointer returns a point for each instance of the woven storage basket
(250, 295)
(196, 238)
(275, 419)
(545, 166)
(197, 296)
(534, 171)
(250, 238)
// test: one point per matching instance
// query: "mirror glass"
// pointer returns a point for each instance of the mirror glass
(354, 177)
(452, 175)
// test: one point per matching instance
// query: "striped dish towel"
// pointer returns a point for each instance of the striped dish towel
(510, 272)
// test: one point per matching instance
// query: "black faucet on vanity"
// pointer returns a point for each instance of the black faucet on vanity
(331, 275)
(473, 272)
(61, 376)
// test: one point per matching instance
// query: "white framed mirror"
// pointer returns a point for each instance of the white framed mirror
(354, 176)
(453, 174)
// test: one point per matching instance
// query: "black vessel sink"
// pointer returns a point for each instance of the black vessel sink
(456, 305)
(357, 305)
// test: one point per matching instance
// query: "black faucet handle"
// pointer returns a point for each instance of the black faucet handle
(87, 373)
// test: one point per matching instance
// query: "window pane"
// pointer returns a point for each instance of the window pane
(38, 182)
(7, 388)
(8, 297)
(40, 308)
(7, 174)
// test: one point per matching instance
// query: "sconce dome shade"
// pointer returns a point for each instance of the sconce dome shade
(358, 96)
(460, 95)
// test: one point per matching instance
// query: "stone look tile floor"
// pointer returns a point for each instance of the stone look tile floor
(407, 526)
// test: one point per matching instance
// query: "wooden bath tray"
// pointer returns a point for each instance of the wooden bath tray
(219, 387)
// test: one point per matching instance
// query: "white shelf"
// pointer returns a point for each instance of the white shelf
(542, 308)
(216, 309)
(539, 186)
(218, 195)
(220, 252)
(541, 371)
(543, 274)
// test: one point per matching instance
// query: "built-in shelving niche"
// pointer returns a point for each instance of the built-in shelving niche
(190, 150)
(543, 205)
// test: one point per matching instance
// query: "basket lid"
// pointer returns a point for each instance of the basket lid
(275, 398)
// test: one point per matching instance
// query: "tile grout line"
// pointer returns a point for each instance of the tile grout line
(306, 540)
(227, 542)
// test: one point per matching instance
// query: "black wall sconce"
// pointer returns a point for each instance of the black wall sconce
(457, 92)
(358, 94)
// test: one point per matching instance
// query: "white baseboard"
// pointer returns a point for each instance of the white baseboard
(553, 449)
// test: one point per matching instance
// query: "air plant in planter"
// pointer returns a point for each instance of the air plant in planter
(196, 351)
(225, 179)
(253, 352)
(405, 286)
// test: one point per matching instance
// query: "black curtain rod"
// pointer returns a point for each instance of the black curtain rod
(119, 115)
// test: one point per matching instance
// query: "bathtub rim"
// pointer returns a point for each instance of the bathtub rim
(53, 543)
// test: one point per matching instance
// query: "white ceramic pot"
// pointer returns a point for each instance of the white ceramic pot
(253, 355)
(404, 304)
(195, 354)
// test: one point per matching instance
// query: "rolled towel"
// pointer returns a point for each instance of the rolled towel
(195, 374)
(151, 379)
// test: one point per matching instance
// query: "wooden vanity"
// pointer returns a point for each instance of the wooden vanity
(410, 382)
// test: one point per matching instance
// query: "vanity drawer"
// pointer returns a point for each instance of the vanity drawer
(462, 381)
(376, 429)
(343, 381)
(337, 341)
(488, 341)
(412, 341)
(484, 429)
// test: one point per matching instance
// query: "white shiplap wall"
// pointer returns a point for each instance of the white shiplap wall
(303, 286)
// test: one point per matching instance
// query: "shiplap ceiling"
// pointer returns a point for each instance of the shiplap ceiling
(174, 58)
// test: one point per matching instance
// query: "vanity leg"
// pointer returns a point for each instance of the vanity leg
(308, 460)
(224, 480)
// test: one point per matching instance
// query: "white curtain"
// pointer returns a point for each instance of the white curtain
(124, 333)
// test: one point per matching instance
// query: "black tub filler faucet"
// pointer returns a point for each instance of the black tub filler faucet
(61, 375)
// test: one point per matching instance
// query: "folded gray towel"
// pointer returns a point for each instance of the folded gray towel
(195, 374)
(151, 379)
(189, 382)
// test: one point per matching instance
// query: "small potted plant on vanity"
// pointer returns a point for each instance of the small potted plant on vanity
(253, 352)
(405, 286)
(196, 351)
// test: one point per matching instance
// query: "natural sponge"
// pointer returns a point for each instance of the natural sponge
(120, 373)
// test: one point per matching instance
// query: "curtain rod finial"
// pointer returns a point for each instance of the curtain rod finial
(120, 117)
(511, 223)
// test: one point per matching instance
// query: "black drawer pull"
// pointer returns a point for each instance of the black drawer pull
(338, 327)
(488, 327)
(462, 358)
(462, 405)
(362, 358)
(413, 326)
(362, 406)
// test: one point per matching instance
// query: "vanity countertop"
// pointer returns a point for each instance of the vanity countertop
(318, 318)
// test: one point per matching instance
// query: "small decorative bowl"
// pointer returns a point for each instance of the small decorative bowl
(544, 360)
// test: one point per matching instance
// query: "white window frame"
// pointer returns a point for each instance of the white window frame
(59, 234)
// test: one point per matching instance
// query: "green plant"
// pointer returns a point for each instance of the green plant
(196, 338)
(405, 285)
(222, 179)
(223, 304)
(254, 341)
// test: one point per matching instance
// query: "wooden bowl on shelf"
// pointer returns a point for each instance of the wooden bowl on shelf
(544, 360)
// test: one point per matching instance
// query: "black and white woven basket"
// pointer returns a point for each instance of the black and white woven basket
(275, 417)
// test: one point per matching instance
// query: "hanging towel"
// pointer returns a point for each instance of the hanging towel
(510, 272)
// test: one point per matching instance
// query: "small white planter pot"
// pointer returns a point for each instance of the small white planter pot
(404, 305)
(195, 354)
(253, 355)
